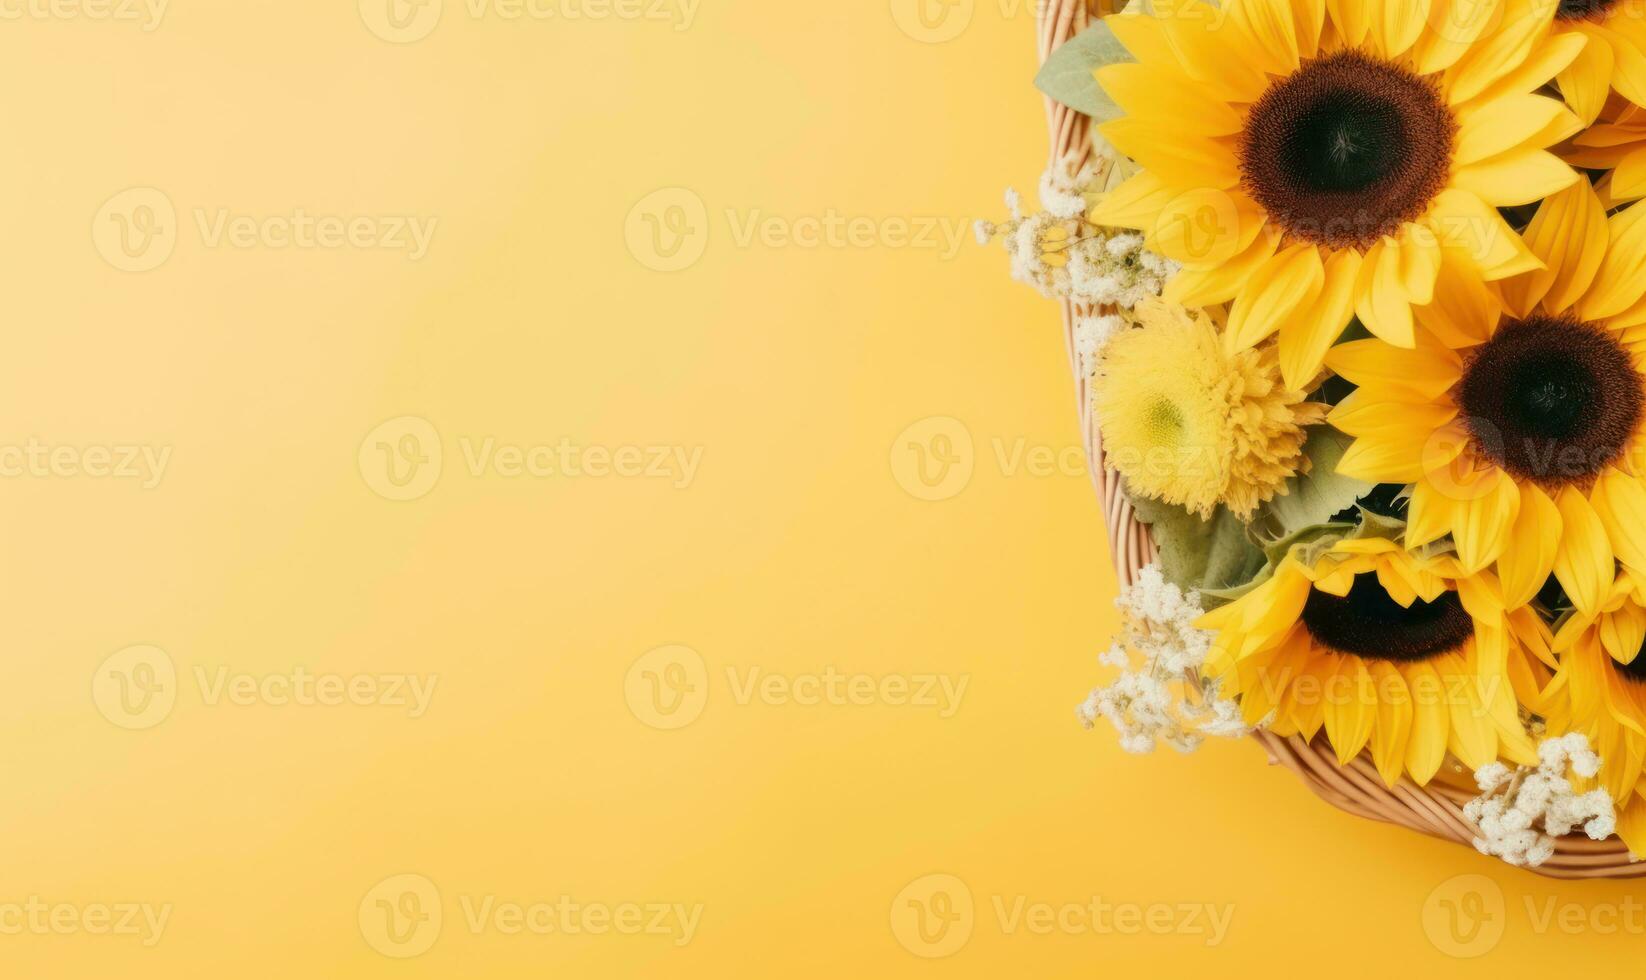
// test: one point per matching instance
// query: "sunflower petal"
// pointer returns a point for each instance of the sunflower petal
(1502, 125)
(1621, 279)
(1484, 523)
(1304, 341)
(1588, 80)
(1584, 562)
(1351, 709)
(1518, 177)
(1292, 280)
(1394, 721)
(1620, 502)
(1529, 559)
(1569, 233)
(1426, 748)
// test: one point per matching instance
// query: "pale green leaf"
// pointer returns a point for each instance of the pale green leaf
(1314, 498)
(1067, 75)
(1197, 554)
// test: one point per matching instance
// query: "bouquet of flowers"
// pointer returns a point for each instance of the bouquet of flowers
(1356, 294)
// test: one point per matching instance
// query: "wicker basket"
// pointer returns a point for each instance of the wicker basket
(1436, 809)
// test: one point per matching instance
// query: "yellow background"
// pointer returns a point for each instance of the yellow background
(534, 318)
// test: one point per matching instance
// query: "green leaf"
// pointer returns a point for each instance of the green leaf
(1308, 544)
(1314, 498)
(1196, 554)
(1067, 74)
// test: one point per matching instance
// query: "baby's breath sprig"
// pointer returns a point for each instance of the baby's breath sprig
(1065, 256)
(1159, 695)
(1522, 810)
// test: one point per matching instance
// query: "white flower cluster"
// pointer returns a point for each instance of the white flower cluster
(1521, 811)
(1057, 251)
(1091, 335)
(1159, 695)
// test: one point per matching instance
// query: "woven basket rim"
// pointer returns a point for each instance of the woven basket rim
(1436, 810)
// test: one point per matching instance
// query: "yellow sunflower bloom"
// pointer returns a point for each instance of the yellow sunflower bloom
(1617, 145)
(1599, 689)
(1312, 160)
(1385, 649)
(1613, 58)
(1518, 415)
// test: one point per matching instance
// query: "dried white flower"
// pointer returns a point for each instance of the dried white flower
(1159, 695)
(1521, 811)
(1057, 251)
(1091, 335)
(1064, 185)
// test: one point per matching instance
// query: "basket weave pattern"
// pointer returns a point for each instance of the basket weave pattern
(1437, 809)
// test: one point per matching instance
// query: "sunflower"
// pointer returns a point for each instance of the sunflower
(1613, 58)
(1518, 415)
(1619, 145)
(1310, 160)
(1599, 690)
(1384, 648)
(1188, 423)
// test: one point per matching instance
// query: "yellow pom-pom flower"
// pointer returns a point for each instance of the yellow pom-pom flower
(1186, 422)
(1385, 649)
(1316, 160)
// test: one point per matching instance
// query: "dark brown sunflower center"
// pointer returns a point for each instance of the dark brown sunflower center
(1346, 149)
(1554, 401)
(1583, 9)
(1369, 623)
